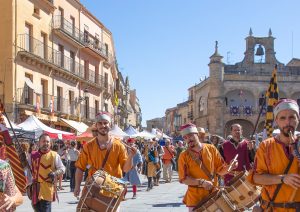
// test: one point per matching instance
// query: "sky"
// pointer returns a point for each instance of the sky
(164, 46)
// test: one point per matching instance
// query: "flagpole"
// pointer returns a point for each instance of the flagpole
(22, 155)
(264, 102)
(260, 112)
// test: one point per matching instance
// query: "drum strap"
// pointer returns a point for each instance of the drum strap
(199, 161)
(106, 156)
(278, 186)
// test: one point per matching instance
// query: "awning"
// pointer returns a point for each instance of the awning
(80, 127)
(33, 124)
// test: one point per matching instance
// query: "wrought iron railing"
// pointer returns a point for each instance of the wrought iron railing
(27, 96)
(34, 46)
(59, 22)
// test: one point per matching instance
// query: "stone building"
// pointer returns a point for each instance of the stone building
(235, 93)
(57, 61)
(158, 123)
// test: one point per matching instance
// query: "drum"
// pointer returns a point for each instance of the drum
(102, 192)
(241, 192)
(216, 202)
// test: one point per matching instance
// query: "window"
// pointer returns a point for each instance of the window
(86, 69)
(72, 62)
(61, 55)
(106, 107)
(96, 107)
(44, 47)
(44, 96)
(59, 98)
(106, 49)
(28, 92)
(28, 37)
(71, 103)
(106, 80)
(97, 74)
(73, 25)
(61, 16)
(87, 107)
(86, 34)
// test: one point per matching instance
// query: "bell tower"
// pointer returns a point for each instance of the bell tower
(264, 47)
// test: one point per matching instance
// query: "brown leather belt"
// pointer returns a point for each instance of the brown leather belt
(294, 205)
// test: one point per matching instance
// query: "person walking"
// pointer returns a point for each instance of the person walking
(73, 155)
(167, 161)
(133, 175)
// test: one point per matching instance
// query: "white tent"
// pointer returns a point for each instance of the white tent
(14, 126)
(131, 131)
(117, 131)
(159, 134)
(80, 127)
(143, 134)
(33, 124)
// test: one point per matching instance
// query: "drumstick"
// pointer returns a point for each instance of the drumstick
(234, 160)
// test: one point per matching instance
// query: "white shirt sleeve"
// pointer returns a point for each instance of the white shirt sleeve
(59, 164)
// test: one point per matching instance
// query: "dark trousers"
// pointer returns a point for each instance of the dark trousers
(42, 206)
(72, 172)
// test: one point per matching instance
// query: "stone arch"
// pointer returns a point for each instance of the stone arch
(240, 97)
(247, 127)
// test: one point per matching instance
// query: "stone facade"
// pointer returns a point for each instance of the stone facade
(234, 93)
(57, 61)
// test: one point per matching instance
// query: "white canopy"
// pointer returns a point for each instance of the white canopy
(80, 127)
(143, 134)
(159, 134)
(14, 126)
(131, 131)
(117, 131)
(33, 124)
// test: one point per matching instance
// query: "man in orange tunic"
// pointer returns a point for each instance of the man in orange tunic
(272, 158)
(200, 180)
(93, 153)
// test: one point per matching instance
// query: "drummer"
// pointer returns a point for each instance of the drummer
(237, 145)
(202, 180)
(93, 153)
(272, 159)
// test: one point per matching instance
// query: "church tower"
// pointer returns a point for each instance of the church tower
(216, 93)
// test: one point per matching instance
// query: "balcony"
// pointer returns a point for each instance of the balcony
(108, 91)
(67, 31)
(87, 113)
(190, 115)
(35, 52)
(27, 98)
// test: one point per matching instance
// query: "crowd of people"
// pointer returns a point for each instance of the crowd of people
(203, 163)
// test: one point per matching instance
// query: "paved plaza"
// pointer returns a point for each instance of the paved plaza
(165, 198)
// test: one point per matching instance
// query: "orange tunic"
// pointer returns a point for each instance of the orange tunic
(92, 157)
(212, 160)
(272, 158)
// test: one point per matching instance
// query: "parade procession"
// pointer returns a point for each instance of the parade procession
(94, 114)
